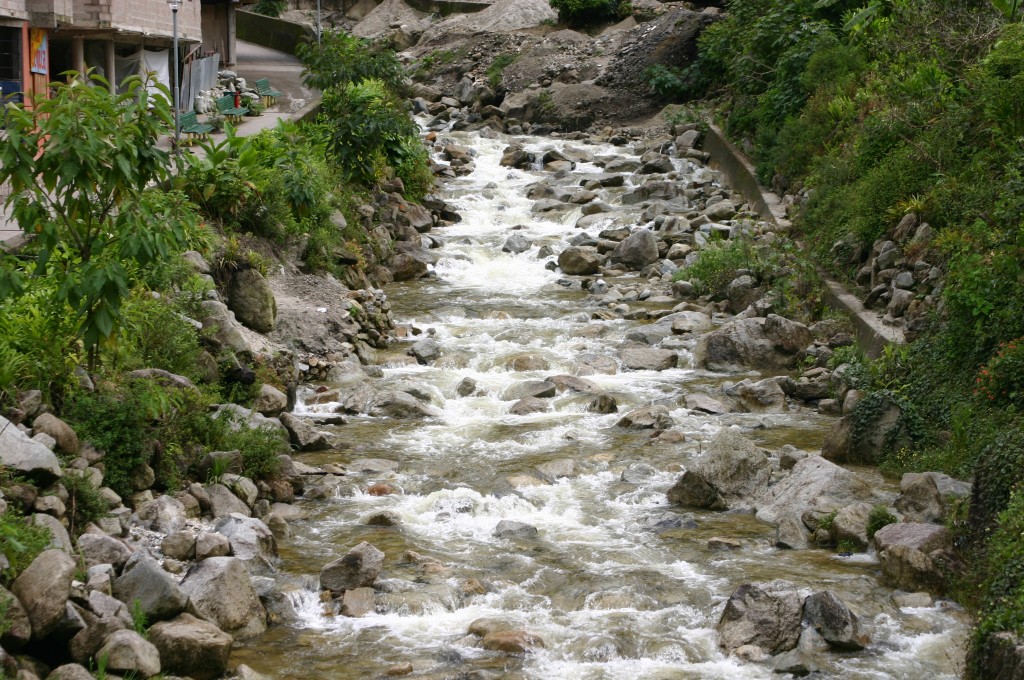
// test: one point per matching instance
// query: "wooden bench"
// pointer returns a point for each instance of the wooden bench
(264, 90)
(190, 125)
(226, 105)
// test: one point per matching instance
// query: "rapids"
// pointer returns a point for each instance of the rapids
(616, 582)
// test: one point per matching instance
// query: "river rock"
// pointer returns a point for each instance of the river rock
(127, 652)
(224, 503)
(516, 243)
(211, 544)
(87, 642)
(511, 641)
(648, 359)
(426, 350)
(401, 406)
(580, 261)
(919, 500)
(156, 591)
(813, 484)
(907, 554)
(63, 434)
(637, 250)
(827, 614)
(763, 396)
(850, 525)
(764, 614)
(732, 466)
(408, 267)
(511, 529)
(304, 436)
(69, 671)
(791, 534)
(191, 647)
(603, 403)
(845, 443)
(219, 590)
(528, 405)
(690, 322)
(539, 389)
(18, 627)
(270, 402)
(769, 343)
(102, 549)
(251, 541)
(358, 568)
(22, 455)
(43, 590)
(647, 418)
(164, 514)
(252, 300)
(358, 602)
(705, 404)
(572, 383)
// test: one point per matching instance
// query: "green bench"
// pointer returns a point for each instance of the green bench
(264, 90)
(226, 105)
(189, 124)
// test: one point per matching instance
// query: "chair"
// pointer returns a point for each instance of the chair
(266, 92)
(226, 105)
(190, 125)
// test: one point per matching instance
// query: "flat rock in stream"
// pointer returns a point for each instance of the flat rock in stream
(529, 405)
(647, 418)
(539, 389)
(648, 359)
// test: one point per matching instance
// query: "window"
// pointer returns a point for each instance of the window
(10, 53)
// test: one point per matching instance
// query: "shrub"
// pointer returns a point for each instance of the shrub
(155, 335)
(582, 12)
(270, 8)
(85, 504)
(878, 518)
(1001, 380)
(341, 59)
(497, 69)
(20, 543)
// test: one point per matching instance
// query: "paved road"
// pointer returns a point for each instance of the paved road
(285, 74)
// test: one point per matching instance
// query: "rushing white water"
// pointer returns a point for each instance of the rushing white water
(613, 593)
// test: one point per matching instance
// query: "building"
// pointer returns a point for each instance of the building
(41, 39)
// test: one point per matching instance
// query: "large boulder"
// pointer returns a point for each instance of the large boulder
(655, 417)
(252, 300)
(103, 549)
(850, 525)
(637, 250)
(861, 439)
(579, 260)
(191, 647)
(304, 436)
(648, 359)
(400, 405)
(767, 615)
(127, 652)
(43, 590)
(21, 455)
(539, 389)
(920, 500)
(731, 465)
(912, 555)
(358, 568)
(164, 514)
(219, 590)
(157, 593)
(18, 627)
(251, 541)
(833, 620)
(768, 343)
(223, 502)
(813, 484)
(67, 440)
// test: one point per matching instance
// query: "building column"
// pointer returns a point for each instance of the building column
(78, 54)
(111, 67)
(229, 49)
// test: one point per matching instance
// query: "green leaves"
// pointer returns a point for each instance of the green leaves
(1009, 8)
(79, 165)
(341, 59)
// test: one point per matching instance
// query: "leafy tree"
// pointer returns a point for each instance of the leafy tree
(341, 59)
(79, 164)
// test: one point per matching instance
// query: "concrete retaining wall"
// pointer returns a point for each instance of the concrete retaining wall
(277, 34)
(872, 334)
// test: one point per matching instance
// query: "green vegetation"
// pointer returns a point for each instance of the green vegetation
(270, 8)
(882, 109)
(84, 504)
(878, 518)
(583, 12)
(20, 543)
(497, 69)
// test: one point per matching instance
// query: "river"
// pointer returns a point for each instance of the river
(617, 583)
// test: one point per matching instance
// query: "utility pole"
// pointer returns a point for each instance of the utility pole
(175, 4)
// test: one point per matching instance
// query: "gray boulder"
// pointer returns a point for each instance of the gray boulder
(252, 300)
(511, 529)
(791, 534)
(224, 503)
(304, 436)
(192, 647)
(850, 525)
(516, 243)
(127, 652)
(22, 455)
(400, 405)
(219, 590)
(732, 466)
(769, 343)
(69, 671)
(920, 500)
(164, 514)
(579, 260)
(648, 359)
(358, 568)
(251, 541)
(637, 250)
(63, 434)
(885, 432)
(833, 620)
(43, 590)
(764, 614)
(908, 552)
(539, 389)
(103, 549)
(18, 627)
(813, 484)
(156, 591)
(647, 418)
(271, 401)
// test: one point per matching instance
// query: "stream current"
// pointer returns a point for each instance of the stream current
(617, 583)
